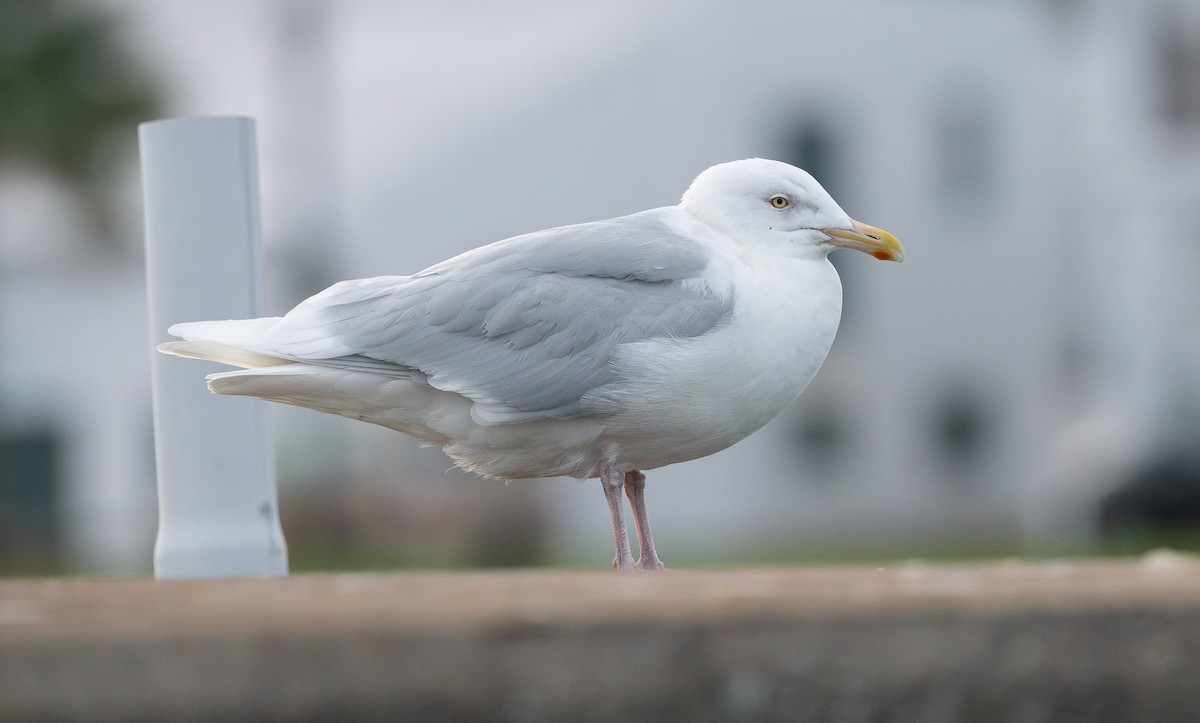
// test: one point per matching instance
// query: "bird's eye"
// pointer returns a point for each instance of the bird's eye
(780, 201)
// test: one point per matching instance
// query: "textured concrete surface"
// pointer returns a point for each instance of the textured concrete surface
(1010, 641)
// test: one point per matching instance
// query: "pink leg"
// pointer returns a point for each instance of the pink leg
(611, 479)
(635, 487)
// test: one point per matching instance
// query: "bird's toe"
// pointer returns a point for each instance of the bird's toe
(655, 565)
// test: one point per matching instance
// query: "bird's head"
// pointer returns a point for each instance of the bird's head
(758, 201)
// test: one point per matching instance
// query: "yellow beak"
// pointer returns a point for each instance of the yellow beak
(868, 239)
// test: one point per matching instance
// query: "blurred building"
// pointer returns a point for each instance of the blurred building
(1038, 159)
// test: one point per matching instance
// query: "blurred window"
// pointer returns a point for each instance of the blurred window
(1179, 60)
(821, 433)
(965, 135)
(961, 427)
(814, 148)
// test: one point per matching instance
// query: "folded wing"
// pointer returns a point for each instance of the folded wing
(524, 327)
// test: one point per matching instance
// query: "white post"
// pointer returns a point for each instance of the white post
(218, 513)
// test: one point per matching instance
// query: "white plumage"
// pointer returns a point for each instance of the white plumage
(599, 349)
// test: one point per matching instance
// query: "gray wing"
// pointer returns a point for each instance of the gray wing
(523, 327)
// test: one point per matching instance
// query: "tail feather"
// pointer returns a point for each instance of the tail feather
(268, 383)
(236, 342)
(242, 333)
(223, 353)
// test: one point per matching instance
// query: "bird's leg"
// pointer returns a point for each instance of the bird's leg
(611, 479)
(635, 487)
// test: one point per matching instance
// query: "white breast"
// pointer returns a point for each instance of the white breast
(684, 399)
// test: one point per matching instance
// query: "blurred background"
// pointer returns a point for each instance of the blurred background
(1027, 383)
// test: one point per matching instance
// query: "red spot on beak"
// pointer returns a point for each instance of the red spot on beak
(882, 255)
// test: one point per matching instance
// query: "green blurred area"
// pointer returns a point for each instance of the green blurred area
(70, 97)
(314, 556)
(342, 553)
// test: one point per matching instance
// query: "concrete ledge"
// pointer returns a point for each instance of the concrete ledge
(1004, 641)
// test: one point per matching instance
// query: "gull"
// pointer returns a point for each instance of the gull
(600, 349)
